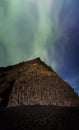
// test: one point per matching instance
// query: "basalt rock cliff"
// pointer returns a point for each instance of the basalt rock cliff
(34, 83)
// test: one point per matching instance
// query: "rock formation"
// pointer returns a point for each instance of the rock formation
(34, 83)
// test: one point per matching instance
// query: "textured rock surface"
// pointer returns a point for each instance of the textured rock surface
(32, 83)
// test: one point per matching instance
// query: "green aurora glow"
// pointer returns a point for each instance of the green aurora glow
(26, 27)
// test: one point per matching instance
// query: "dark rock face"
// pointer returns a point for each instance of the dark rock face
(39, 118)
(34, 83)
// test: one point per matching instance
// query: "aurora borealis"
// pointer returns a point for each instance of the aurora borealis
(48, 29)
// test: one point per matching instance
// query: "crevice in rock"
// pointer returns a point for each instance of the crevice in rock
(5, 95)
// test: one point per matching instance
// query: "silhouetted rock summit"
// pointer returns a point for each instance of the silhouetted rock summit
(34, 83)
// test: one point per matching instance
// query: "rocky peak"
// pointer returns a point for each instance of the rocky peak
(33, 82)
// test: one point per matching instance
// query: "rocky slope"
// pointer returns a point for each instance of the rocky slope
(33, 83)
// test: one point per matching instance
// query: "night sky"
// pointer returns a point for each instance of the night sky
(48, 29)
